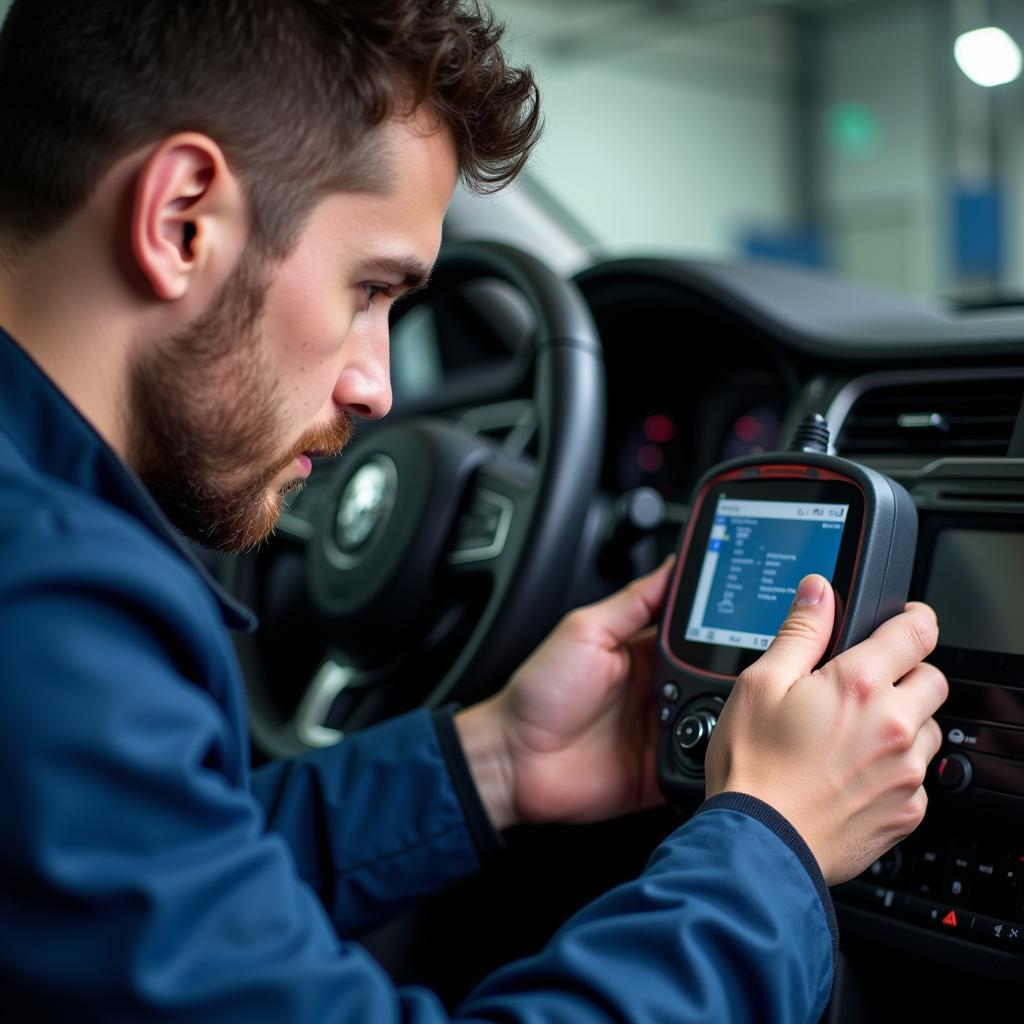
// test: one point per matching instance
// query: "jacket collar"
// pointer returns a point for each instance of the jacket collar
(57, 441)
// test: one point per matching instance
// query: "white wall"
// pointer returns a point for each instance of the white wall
(661, 140)
(1008, 105)
(886, 209)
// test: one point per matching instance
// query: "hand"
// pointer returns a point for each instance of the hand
(572, 735)
(840, 752)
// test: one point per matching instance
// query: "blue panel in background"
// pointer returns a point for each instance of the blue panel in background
(802, 247)
(978, 245)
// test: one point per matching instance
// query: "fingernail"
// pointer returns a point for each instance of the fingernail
(810, 591)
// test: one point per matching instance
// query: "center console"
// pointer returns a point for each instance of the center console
(959, 876)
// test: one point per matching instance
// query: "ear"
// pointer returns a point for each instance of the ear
(189, 217)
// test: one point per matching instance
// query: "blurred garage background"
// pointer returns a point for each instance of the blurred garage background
(840, 134)
(833, 133)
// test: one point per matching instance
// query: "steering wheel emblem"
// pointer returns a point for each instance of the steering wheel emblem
(365, 505)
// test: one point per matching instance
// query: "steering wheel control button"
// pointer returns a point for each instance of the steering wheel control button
(670, 692)
(478, 527)
(482, 530)
(953, 773)
(365, 506)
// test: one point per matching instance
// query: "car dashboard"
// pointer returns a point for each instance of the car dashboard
(710, 361)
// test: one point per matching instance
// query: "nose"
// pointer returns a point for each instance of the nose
(363, 387)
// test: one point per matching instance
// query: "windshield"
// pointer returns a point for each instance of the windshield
(841, 135)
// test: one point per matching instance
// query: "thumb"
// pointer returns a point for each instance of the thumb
(804, 635)
(635, 606)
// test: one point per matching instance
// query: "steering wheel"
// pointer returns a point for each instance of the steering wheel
(434, 558)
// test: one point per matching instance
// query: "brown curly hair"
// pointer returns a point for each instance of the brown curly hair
(292, 90)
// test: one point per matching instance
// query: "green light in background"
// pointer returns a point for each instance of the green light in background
(852, 129)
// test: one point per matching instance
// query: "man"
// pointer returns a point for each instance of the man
(205, 212)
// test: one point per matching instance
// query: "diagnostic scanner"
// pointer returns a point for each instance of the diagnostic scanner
(757, 526)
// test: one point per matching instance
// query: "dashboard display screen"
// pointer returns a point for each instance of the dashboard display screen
(757, 553)
(976, 586)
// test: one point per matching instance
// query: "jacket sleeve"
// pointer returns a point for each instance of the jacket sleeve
(141, 884)
(731, 921)
(383, 818)
(139, 881)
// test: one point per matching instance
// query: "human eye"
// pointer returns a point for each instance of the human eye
(371, 291)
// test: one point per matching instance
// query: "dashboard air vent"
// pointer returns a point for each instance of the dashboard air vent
(950, 417)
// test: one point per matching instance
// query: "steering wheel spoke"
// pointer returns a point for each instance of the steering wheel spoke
(497, 500)
(483, 529)
(329, 680)
(333, 697)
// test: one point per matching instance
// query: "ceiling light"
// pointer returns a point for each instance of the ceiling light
(988, 56)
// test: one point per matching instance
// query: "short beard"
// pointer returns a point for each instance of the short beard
(204, 414)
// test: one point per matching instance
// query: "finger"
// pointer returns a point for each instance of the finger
(803, 637)
(920, 693)
(927, 743)
(888, 654)
(634, 606)
(930, 739)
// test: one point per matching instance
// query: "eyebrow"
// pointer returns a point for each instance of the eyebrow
(412, 274)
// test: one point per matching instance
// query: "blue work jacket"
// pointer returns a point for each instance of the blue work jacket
(147, 875)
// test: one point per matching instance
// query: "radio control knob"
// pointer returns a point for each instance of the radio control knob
(953, 773)
(694, 731)
(887, 866)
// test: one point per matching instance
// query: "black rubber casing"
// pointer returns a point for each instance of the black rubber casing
(871, 581)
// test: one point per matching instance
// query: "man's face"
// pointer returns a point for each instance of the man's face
(224, 416)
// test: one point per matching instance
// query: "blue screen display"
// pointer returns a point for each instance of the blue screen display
(756, 556)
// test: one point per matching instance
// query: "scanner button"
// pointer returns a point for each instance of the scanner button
(691, 730)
